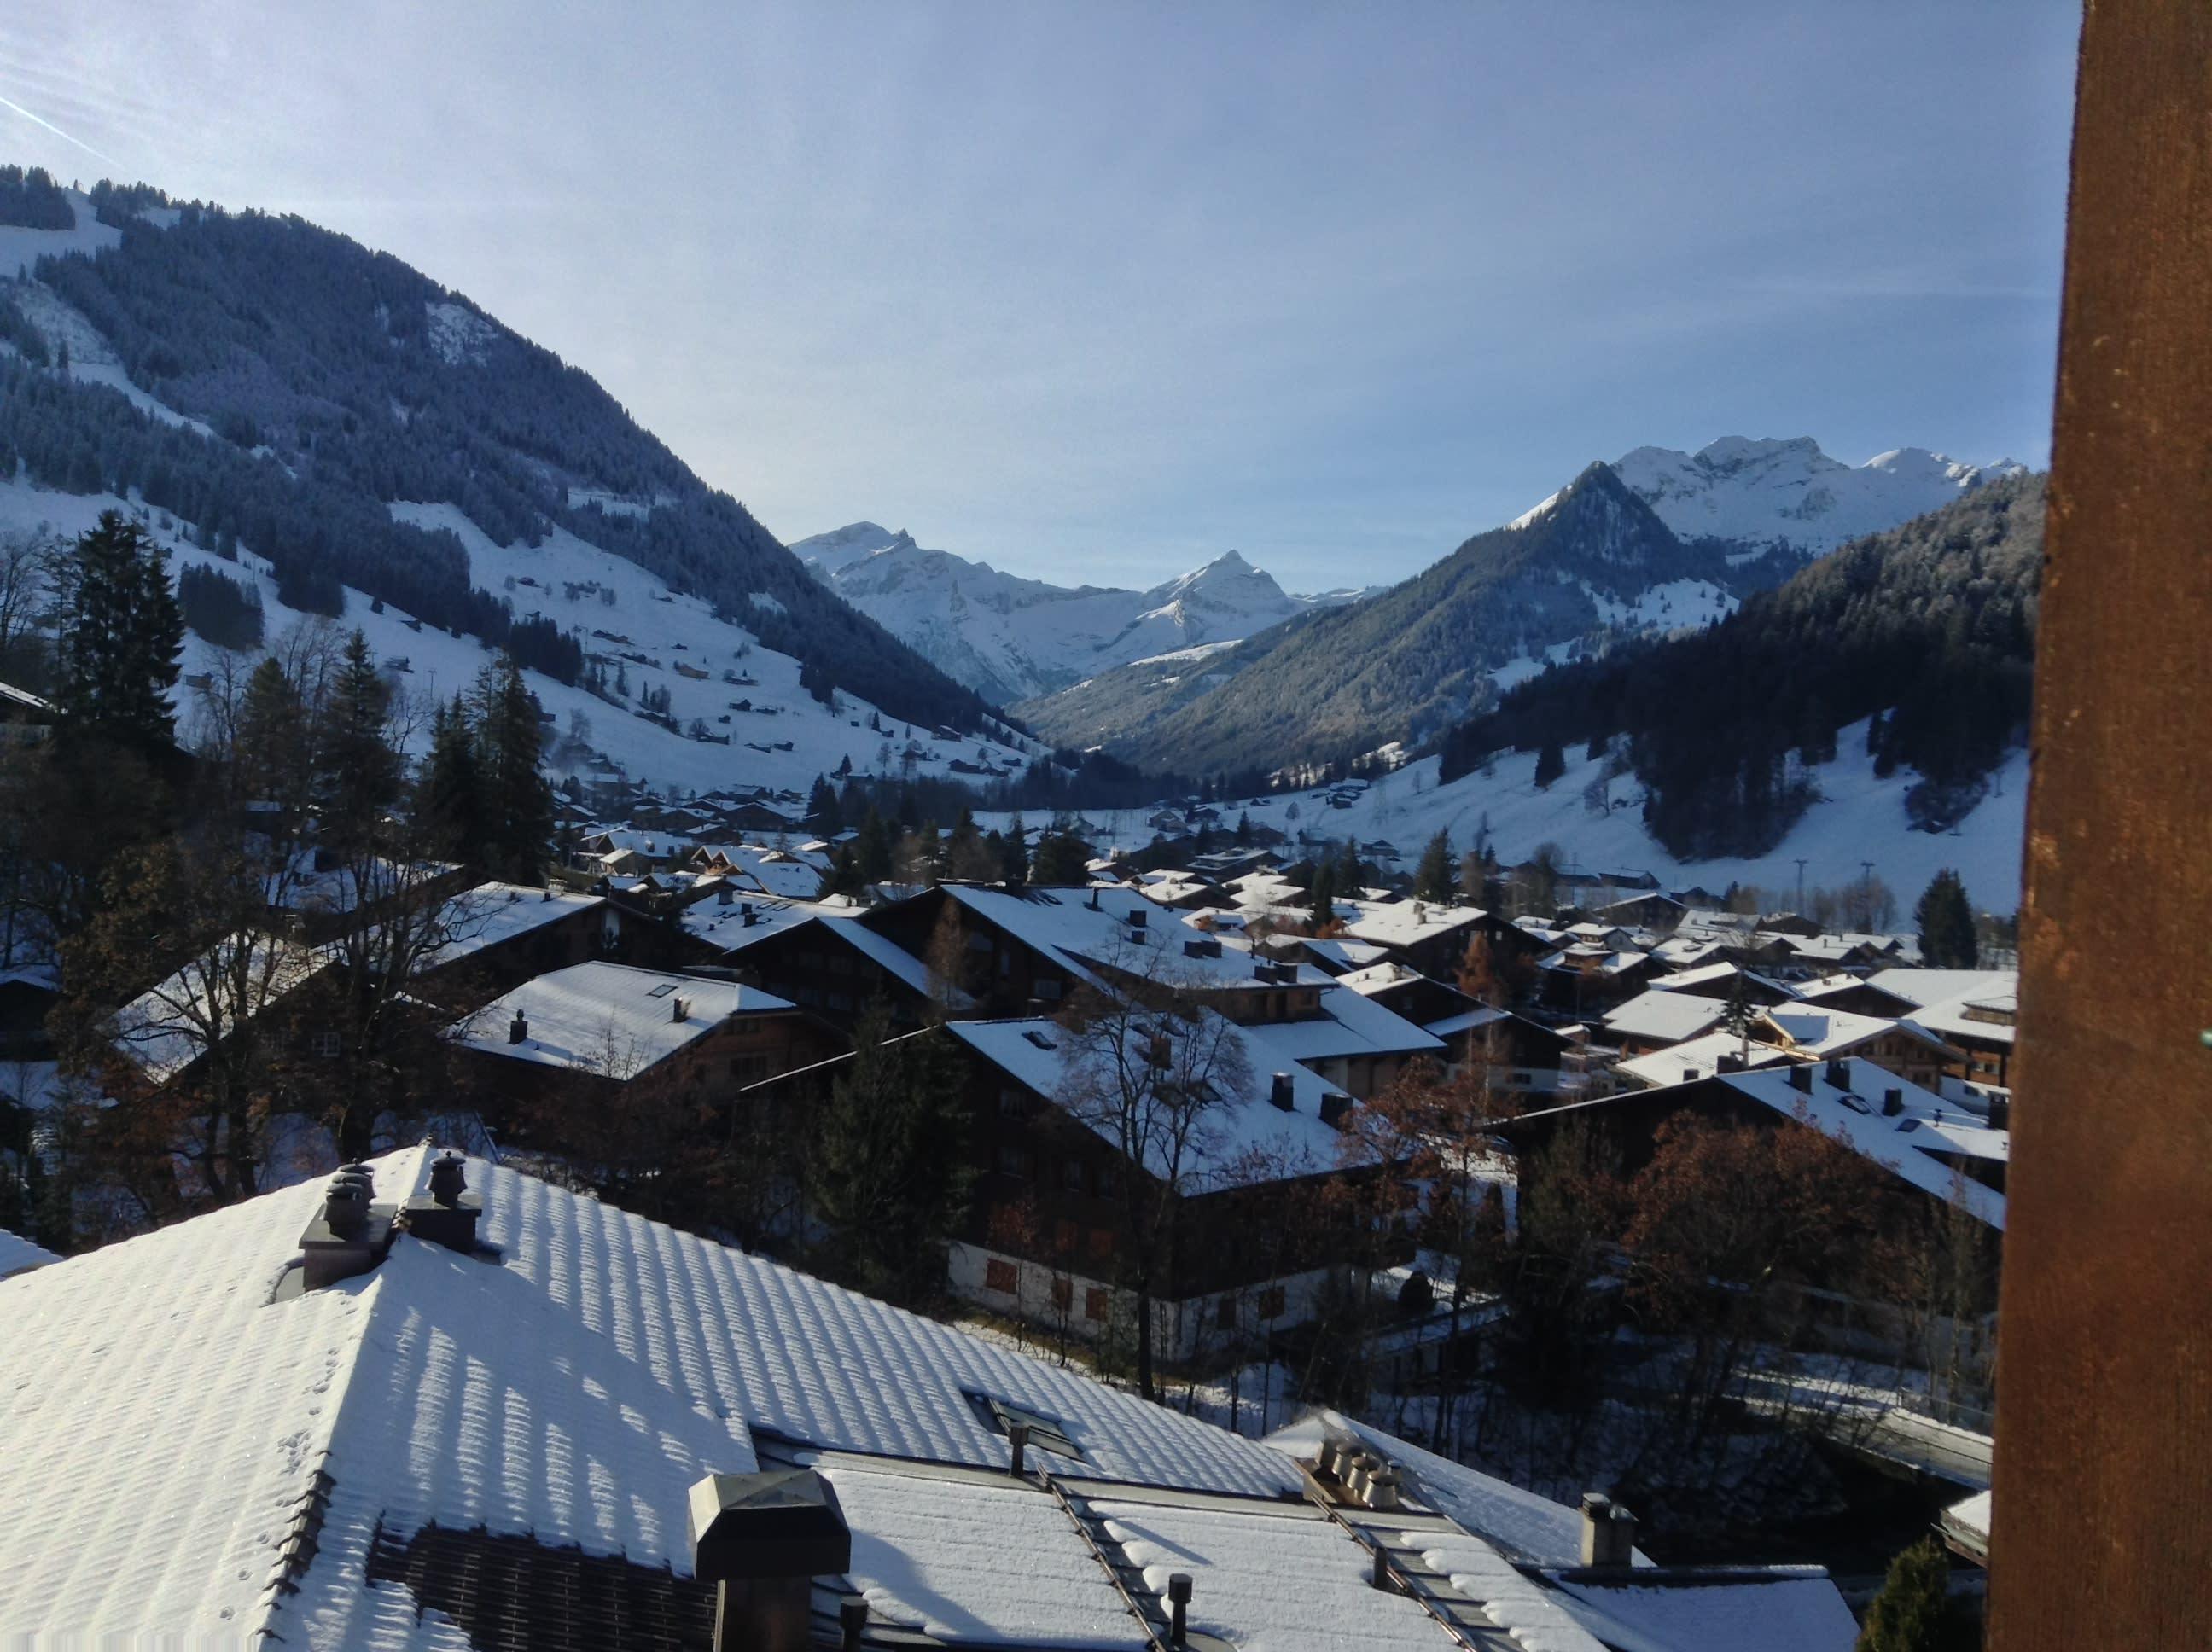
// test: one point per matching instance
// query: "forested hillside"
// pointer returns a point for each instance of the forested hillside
(291, 384)
(1928, 629)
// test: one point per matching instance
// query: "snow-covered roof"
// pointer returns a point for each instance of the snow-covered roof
(1466, 1020)
(895, 959)
(1803, 1613)
(1905, 1142)
(1403, 923)
(1668, 1016)
(1353, 955)
(19, 1255)
(491, 914)
(1704, 974)
(1241, 1141)
(772, 871)
(1350, 1025)
(1283, 1579)
(1833, 1032)
(1695, 1058)
(1063, 923)
(166, 1028)
(608, 1017)
(1984, 1013)
(1927, 987)
(189, 1459)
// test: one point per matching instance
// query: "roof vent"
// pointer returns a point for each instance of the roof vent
(1800, 1077)
(1893, 1102)
(1279, 1092)
(447, 1215)
(1335, 1108)
(518, 1031)
(1840, 1072)
(762, 1539)
(680, 1008)
(1178, 1607)
(1138, 917)
(350, 1234)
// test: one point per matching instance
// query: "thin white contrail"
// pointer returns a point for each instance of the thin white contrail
(40, 120)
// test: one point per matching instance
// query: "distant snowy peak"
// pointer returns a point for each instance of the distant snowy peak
(1010, 638)
(1769, 493)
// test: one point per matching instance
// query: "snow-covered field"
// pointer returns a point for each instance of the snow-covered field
(667, 628)
(1860, 818)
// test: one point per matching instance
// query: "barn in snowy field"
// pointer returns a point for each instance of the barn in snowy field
(442, 1405)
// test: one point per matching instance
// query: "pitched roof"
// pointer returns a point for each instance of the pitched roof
(613, 1018)
(19, 1255)
(491, 914)
(1665, 1015)
(1243, 1140)
(186, 1454)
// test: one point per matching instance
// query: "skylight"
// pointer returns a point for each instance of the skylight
(662, 990)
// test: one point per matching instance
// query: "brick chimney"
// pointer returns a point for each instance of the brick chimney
(1278, 1091)
(1608, 1532)
(349, 1234)
(518, 1031)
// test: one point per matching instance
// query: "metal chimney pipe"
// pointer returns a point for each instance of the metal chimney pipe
(1380, 1575)
(1178, 1606)
(1017, 1437)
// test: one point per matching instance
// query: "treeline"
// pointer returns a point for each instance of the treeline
(31, 199)
(1928, 630)
(364, 382)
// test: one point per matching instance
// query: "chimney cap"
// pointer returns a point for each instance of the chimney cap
(779, 1523)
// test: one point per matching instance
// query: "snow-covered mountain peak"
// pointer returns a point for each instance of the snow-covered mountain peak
(1010, 638)
(1786, 493)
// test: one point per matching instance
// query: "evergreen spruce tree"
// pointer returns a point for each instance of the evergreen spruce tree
(1350, 880)
(517, 801)
(450, 796)
(1947, 940)
(271, 760)
(874, 858)
(1551, 763)
(1324, 894)
(821, 811)
(1432, 881)
(1912, 1613)
(1061, 862)
(122, 637)
(357, 772)
(1014, 857)
(889, 1175)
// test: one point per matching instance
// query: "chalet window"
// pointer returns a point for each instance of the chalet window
(1271, 1302)
(1065, 1233)
(1224, 1312)
(1063, 1293)
(1094, 1304)
(1011, 1103)
(1102, 1243)
(1000, 1275)
(1006, 965)
(327, 1046)
(979, 942)
(1109, 1181)
(1014, 1160)
(750, 1069)
(1070, 1175)
(1520, 1078)
(1048, 988)
(841, 1001)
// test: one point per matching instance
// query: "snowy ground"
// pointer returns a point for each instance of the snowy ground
(1859, 818)
(667, 628)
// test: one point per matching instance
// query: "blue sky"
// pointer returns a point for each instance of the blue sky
(1099, 291)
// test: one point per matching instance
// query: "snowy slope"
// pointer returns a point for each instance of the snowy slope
(667, 630)
(1769, 494)
(1010, 638)
(21, 247)
(1860, 818)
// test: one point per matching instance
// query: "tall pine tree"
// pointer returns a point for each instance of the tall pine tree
(450, 794)
(517, 800)
(1433, 880)
(1947, 940)
(122, 637)
(357, 771)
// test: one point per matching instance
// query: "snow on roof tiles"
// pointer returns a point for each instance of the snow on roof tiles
(1065, 923)
(1667, 1015)
(1804, 1613)
(1278, 1579)
(491, 914)
(610, 1017)
(167, 1422)
(1350, 1025)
